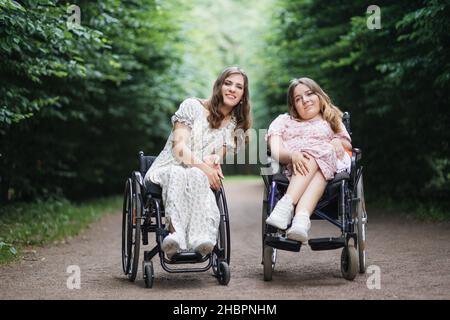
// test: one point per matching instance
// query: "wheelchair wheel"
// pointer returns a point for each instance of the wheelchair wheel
(126, 227)
(349, 262)
(223, 273)
(269, 254)
(149, 274)
(361, 216)
(223, 235)
(269, 260)
(223, 240)
(134, 217)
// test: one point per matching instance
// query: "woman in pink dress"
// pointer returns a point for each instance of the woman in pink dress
(311, 140)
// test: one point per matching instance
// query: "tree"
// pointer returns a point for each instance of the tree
(78, 104)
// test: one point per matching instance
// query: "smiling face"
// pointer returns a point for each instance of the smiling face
(233, 89)
(307, 103)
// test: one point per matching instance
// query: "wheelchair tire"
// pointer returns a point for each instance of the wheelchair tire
(149, 274)
(349, 262)
(126, 238)
(223, 273)
(361, 225)
(223, 239)
(135, 218)
(269, 260)
(215, 265)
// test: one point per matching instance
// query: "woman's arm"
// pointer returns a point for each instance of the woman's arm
(339, 145)
(213, 160)
(343, 137)
(345, 143)
(181, 152)
(279, 153)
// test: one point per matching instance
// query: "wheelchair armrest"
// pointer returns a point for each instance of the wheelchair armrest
(356, 157)
(136, 176)
(356, 163)
(271, 169)
(358, 154)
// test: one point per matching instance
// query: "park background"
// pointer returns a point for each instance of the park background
(77, 102)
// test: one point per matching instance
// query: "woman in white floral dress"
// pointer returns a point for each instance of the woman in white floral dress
(189, 165)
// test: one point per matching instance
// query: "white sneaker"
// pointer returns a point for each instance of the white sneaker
(282, 213)
(300, 227)
(170, 244)
(204, 247)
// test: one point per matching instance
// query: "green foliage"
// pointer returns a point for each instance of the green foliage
(43, 222)
(77, 104)
(393, 80)
(7, 252)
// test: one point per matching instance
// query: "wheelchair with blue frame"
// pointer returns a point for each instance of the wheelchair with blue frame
(341, 204)
(143, 213)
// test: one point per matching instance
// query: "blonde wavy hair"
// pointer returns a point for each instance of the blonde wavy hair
(330, 113)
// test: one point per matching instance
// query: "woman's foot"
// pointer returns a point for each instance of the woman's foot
(204, 247)
(171, 244)
(282, 213)
(300, 227)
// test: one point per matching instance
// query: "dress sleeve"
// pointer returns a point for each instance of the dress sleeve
(186, 113)
(277, 127)
(343, 133)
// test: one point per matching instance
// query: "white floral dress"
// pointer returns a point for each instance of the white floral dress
(189, 202)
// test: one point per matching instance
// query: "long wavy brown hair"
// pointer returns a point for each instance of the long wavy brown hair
(330, 113)
(241, 111)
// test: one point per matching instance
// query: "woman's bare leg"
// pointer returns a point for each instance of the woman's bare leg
(299, 183)
(311, 196)
(305, 206)
(284, 210)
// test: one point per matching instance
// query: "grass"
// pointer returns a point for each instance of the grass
(242, 178)
(40, 223)
(431, 212)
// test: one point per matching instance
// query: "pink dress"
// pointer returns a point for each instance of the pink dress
(312, 137)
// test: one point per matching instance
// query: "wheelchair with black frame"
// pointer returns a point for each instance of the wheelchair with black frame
(342, 204)
(143, 213)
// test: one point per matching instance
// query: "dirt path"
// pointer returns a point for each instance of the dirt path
(413, 259)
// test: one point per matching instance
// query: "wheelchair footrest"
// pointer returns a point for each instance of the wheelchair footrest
(326, 243)
(282, 243)
(187, 257)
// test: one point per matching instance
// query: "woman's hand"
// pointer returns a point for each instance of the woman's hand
(213, 170)
(213, 177)
(299, 162)
(213, 160)
(338, 147)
